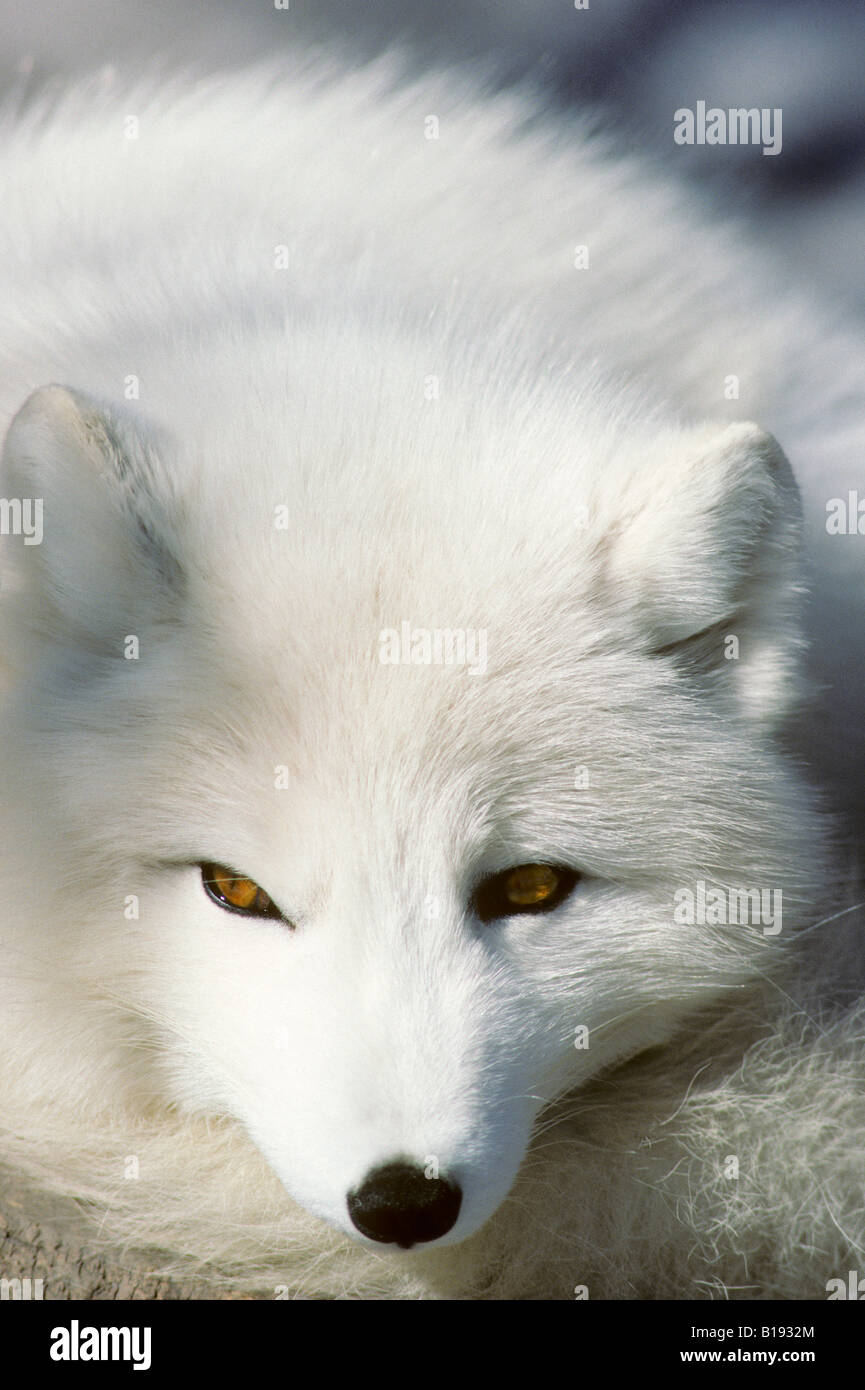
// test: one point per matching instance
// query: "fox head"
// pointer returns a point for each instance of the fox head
(353, 770)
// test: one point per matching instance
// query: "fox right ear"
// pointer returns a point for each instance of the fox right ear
(97, 560)
(705, 562)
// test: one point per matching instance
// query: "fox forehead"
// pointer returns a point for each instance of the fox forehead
(423, 771)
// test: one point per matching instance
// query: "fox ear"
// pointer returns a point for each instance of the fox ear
(97, 562)
(708, 561)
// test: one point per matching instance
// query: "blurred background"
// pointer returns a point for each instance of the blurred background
(638, 60)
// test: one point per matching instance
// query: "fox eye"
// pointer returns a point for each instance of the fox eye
(236, 893)
(523, 889)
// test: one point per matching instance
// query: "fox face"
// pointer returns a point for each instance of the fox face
(368, 775)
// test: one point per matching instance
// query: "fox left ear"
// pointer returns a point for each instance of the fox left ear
(708, 563)
(103, 563)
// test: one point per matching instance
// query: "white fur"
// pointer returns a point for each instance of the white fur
(582, 492)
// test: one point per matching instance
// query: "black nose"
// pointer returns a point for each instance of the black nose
(399, 1205)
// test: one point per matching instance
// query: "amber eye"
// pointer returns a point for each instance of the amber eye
(236, 893)
(525, 888)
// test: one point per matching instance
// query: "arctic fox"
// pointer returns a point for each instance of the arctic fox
(412, 841)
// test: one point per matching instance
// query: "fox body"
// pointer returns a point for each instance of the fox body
(403, 521)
